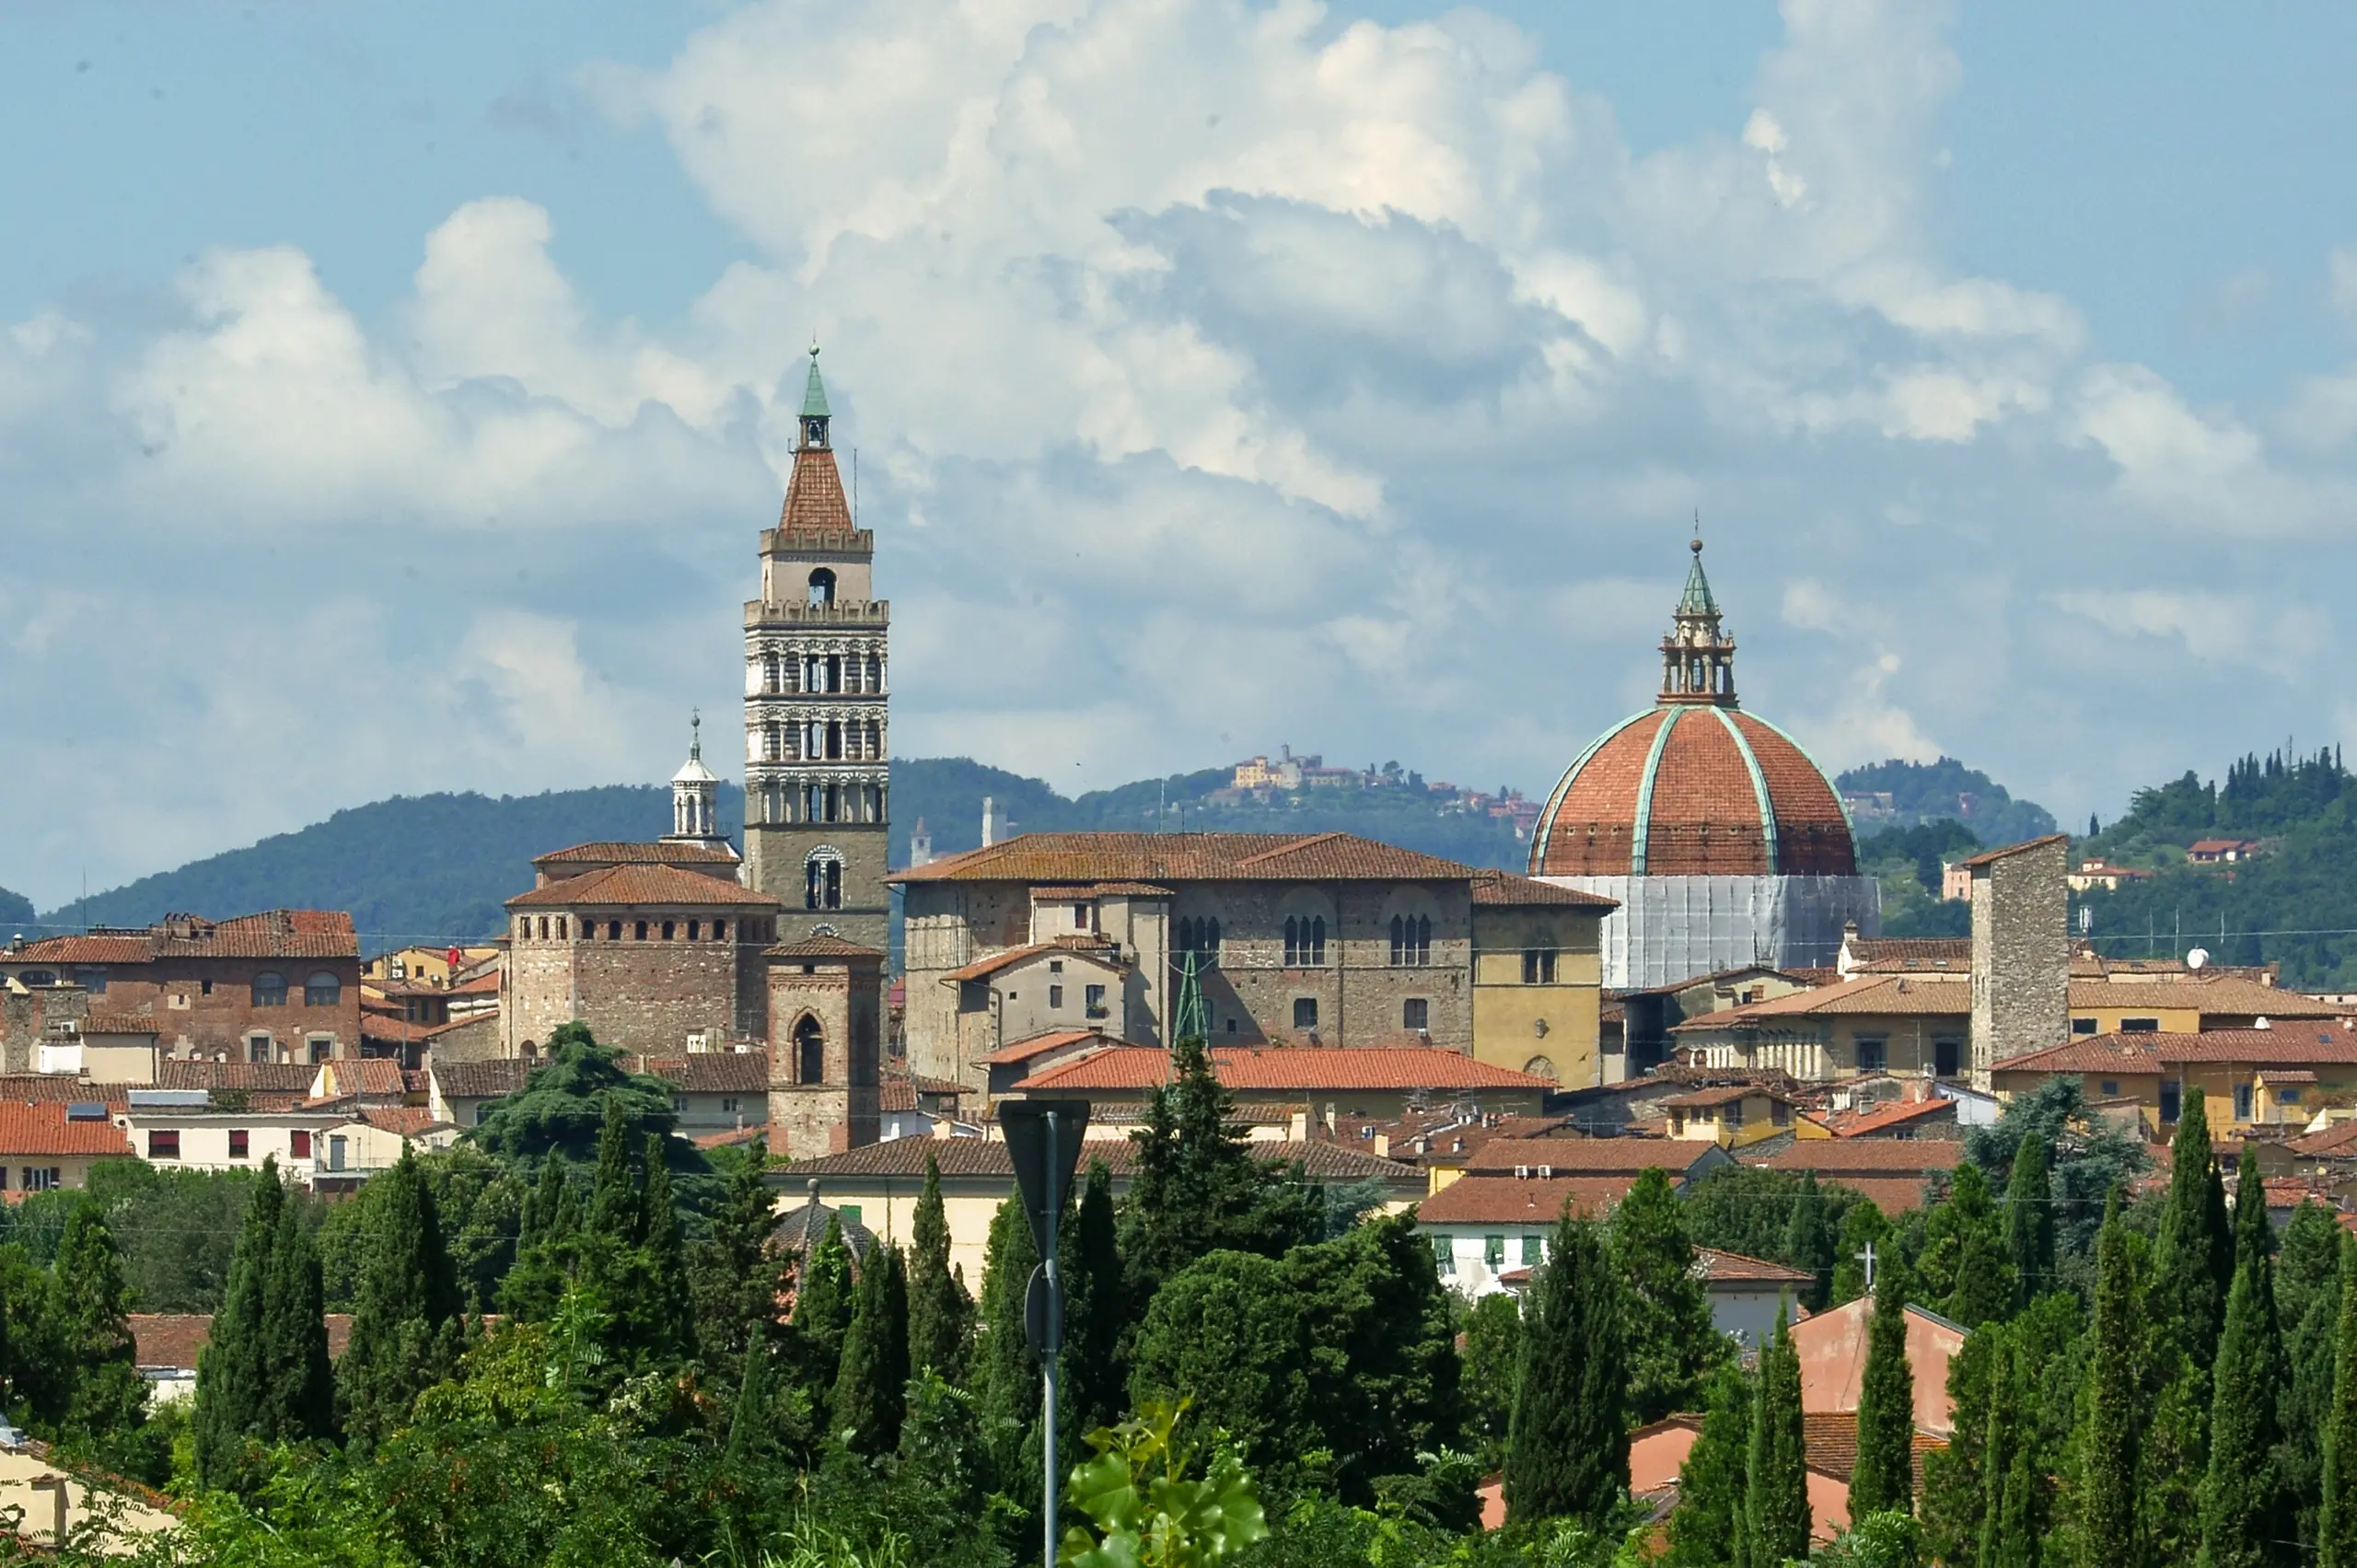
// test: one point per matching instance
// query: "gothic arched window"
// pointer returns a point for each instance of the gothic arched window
(1292, 943)
(1398, 941)
(1317, 943)
(810, 1052)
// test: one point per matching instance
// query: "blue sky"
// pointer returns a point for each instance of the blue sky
(386, 394)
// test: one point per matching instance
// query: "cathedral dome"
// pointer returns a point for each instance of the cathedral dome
(1694, 787)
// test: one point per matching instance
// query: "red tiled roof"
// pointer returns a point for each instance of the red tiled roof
(54, 1088)
(712, 1072)
(1883, 1118)
(409, 1121)
(1903, 954)
(1506, 890)
(1040, 1044)
(2217, 846)
(376, 1076)
(1877, 994)
(274, 934)
(621, 886)
(33, 1131)
(814, 496)
(174, 1338)
(1894, 1195)
(2303, 1044)
(2225, 995)
(821, 948)
(1188, 857)
(494, 1079)
(1301, 1069)
(1702, 1099)
(283, 1077)
(1594, 1156)
(986, 1159)
(1866, 1157)
(1733, 1267)
(120, 1024)
(1703, 806)
(1106, 954)
(1989, 857)
(1046, 895)
(658, 854)
(1507, 1200)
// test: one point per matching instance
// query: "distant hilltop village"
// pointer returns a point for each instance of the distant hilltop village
(1686, 971)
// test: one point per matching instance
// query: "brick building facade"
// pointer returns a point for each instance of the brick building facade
(279, 986)
(826, 1051)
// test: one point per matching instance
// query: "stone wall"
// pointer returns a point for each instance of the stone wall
(838, 1110)
(637, 994)
(2021, 952)
(774, 857)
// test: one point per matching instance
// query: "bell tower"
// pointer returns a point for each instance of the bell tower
(695, 792)
(818, 785)
(1696, 657)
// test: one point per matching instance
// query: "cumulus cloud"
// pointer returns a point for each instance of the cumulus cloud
(1218, 373)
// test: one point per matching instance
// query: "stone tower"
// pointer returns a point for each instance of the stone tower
(817, 791)
(2021, 951)
(825, 1000)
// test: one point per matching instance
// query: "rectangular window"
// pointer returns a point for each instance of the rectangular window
(2242, 1102)
(93, 980)
(482, 1113)
(2110, 1087)
(2288, 1096)
(1095, 997)
(720, 931)
(2140, 1026)
(2083, 1025)
(321, 1050)
(239, 1140)
(1947, 1056)
(641, 927)
(695, 927)
(41, 1179)
(1415, 1013)
(678, 1105)
(1304, 1012)
(669, 927)
(1055, 996)
(258, 1049)
(336, 1147)
(164, 1144)
(204, 987)
(728, 1105)
(1445, 1254)
(1493, 1251)
(1539, 966)
(298, 1144)
(613, 931)
(1532, 1255)
(2172, 1101)
(1873, 1055)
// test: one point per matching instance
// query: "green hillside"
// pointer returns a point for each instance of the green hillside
(436, 867)
(16, 909)
(1923, 793)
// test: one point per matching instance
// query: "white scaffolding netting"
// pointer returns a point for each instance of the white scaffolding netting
(1672, 928)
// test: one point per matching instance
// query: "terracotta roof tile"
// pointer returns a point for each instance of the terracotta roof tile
(1728, 1268)
(1506, 890)
(712, 1072)
(1165, 858)
(122, 950)
(376, 1076)
(1107, 955)
(814, 496)
(1507, 1200)
(1866, 1157)
(1989, 857)
(623, 886)
(1023, 1050)
(1909, 996)
(1883, 1118)
(2226, 995)
(494, 1079)
(54, 1088)
(409, 1121)
(1048, 894)
(986, 1159)
(613, 853)
(32, 1131)
(1895, 954)
(821, 948)
(285, 1077)
(274, 934)
(1594, 1156)
(1301, 1069)
(175, 1339)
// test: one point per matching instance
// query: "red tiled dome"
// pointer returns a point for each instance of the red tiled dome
(1691, 789)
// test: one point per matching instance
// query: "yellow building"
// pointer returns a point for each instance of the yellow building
(1538, 980)
(2129, 1004)
(1883, 1023)
(2283, 1074)
(424, 966)
(1733, 1116)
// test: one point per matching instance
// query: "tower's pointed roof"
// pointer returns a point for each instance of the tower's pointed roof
(1695, 600)
(814, 391)
(693, 771)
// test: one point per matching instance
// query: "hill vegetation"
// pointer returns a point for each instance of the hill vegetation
(436, 867)
(16, 909)
(1946, 790)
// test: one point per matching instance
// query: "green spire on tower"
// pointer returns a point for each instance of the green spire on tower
(1695, 600)
(1190, 1018)
(814, 393)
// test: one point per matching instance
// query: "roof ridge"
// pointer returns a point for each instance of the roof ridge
(1291, 845)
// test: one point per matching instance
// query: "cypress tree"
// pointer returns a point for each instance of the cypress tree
(1707, 1527)
(2245, 1513)
(547, 1244)
(300, 1406)
(2307, 1301)
(663, 1317)
(1964, 1270)
(939, 1313)
(2111, 1408)
(406, 1332)
(1671, 1342)
(1862, 1226)
(748, 1418)
(738, 1279)
(1005, 1380)
(1808, 1242)
(1097, 1312)
(2029, 1221)
(2336, 1518)
(2193, 1256)
(1955, 1479)
(822, 1306)
(1567, 1450)
(871, 1390)
(2009, 1536)
(1776, 1516)
(1884, 1479)
(614, 1204)
(108, 1398)
(232, 1382)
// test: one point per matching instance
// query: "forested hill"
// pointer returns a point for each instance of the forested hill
(2295, 904)
(436, 867)
(1925, 792)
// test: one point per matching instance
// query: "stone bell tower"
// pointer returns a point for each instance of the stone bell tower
(818, 785)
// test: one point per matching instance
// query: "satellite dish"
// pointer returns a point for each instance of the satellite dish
(2196, 958)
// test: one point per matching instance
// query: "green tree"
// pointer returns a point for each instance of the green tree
(2030, 1222)
(936, 1484)
(661, 1303)
(300, 1379)
(2337, 1518)
(2012, 1520)
(1671, 1343)
(1964, 1270)
(1097, 1308)
(1954, 1477)
(548, 1245)
(1005, 1380)
(1808, 1242)
(940, 1318)
(1233, 1327)
(871, 1390)
(564, 1107)
(2308, 1300)
(1491, 1371)
(2112, 1406)
(406, 1334)
(1864, 1226)
(822, 1306)
(2245, 1512)
(231, 1412)
(2193, 1255)
(736, 1277)
(1567, 1452)
(1884, 1478)
(1706, 1530)
(108, 1398)
(1776, 1515)
(1150, 1507)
